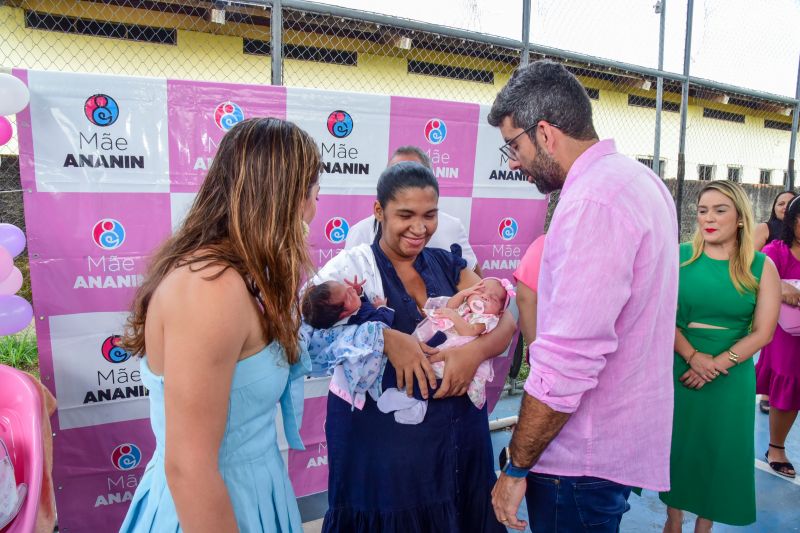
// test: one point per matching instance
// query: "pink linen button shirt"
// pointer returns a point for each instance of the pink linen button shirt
(606, 322)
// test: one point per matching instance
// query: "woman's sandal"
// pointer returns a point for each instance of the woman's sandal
(764, 406)
(782, 469)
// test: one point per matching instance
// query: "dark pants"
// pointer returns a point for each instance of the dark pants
(561, 504)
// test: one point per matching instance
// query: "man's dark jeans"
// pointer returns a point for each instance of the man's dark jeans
(562, 504)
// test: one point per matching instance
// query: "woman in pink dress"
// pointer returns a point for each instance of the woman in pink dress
(778, 367)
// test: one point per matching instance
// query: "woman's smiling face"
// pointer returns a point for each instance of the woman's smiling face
(409, 220)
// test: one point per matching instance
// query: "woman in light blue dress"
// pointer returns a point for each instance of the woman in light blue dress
(218, 319)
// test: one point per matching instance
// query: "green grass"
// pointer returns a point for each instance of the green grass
(20, 351)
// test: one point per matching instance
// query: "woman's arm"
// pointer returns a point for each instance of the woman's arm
(526, 303)
(765, 320)
(201, 349)
(760, 236)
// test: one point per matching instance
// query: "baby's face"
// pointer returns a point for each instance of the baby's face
(493, 296)
(347, 296)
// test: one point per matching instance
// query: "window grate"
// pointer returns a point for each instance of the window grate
(446, 71)
(723, 115)
(777, 125)
(643, 101)
(320, 55)
(100, 28)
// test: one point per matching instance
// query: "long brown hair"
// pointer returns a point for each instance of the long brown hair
(744, 252)
(247, 216)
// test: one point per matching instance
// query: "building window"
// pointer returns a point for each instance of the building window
(735, 174)
(594, 94)
(320, 55)
(648, 162)
(643, 101)
(446, 71)
(765, 176)
(723, 115)
(705, 172)
(777, 125)
(256, 47)
(100, 28)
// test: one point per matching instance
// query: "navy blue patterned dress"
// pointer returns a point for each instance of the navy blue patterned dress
(433, 477)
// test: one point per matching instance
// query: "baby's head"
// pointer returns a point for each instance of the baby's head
(325, 304)
(491, 297)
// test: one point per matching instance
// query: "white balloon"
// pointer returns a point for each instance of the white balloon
(14, 95)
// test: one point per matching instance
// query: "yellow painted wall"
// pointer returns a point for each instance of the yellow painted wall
(206, 51)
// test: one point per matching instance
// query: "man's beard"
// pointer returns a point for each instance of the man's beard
(545, 172)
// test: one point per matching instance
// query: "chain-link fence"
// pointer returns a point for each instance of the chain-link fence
(731, 132)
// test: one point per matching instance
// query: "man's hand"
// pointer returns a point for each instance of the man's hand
(507, 495)
(460, 365)
(410, 359)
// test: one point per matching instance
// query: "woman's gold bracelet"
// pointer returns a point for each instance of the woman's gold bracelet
(689, 359)
(733, 358)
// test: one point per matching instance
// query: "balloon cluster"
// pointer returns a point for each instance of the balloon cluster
(15, 312)
(14, 96)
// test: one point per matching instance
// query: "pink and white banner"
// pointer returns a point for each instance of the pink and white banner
(111, 164)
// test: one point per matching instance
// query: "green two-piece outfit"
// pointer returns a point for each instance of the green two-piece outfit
(711, 466)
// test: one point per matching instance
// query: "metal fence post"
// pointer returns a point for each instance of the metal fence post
(687, 53)
(793, 140)
(276, 46)
(526, 33)
(659, 90)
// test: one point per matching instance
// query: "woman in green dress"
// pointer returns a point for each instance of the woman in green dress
(728, 302)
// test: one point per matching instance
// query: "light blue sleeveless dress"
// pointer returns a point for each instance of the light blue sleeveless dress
(249, 459)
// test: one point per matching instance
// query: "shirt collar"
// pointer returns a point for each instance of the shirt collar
(587, 158)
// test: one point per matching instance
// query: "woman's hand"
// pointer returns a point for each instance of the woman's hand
(410, 359)
(445, 312)
(703, 364)
(692, 380)
(460, 365)
(790, 294)
(723, 364)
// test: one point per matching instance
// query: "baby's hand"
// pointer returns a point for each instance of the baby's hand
(358, 286)
(378, 302)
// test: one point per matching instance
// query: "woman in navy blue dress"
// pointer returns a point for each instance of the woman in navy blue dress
(435, 476)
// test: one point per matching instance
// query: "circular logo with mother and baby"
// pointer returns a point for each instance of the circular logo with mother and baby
(108, 234)
(112, 351)
(336, 230)
(508, 228)
(435, 131)
(101, 110)
(227, 115)
(340, 124)
(126, 456)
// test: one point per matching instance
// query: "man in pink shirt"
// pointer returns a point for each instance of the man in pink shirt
(596, 418)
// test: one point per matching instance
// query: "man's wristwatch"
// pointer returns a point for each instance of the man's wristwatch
(507, 466)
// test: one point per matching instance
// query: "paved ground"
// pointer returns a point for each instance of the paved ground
(778, 498)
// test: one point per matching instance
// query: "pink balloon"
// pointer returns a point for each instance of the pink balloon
(12, 283)
(6, 263)
(6, 131)
(15, 314)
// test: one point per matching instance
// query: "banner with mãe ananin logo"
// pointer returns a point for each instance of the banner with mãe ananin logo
(110, 165)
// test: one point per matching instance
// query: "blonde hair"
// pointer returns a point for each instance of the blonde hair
(246, 217)
(744, 252)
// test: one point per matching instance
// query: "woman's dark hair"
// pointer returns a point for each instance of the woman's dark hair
(789, 220)
(318, 310)
(401, 176)
(774, 224)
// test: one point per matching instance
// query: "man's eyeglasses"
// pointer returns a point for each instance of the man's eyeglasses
(509, 151)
